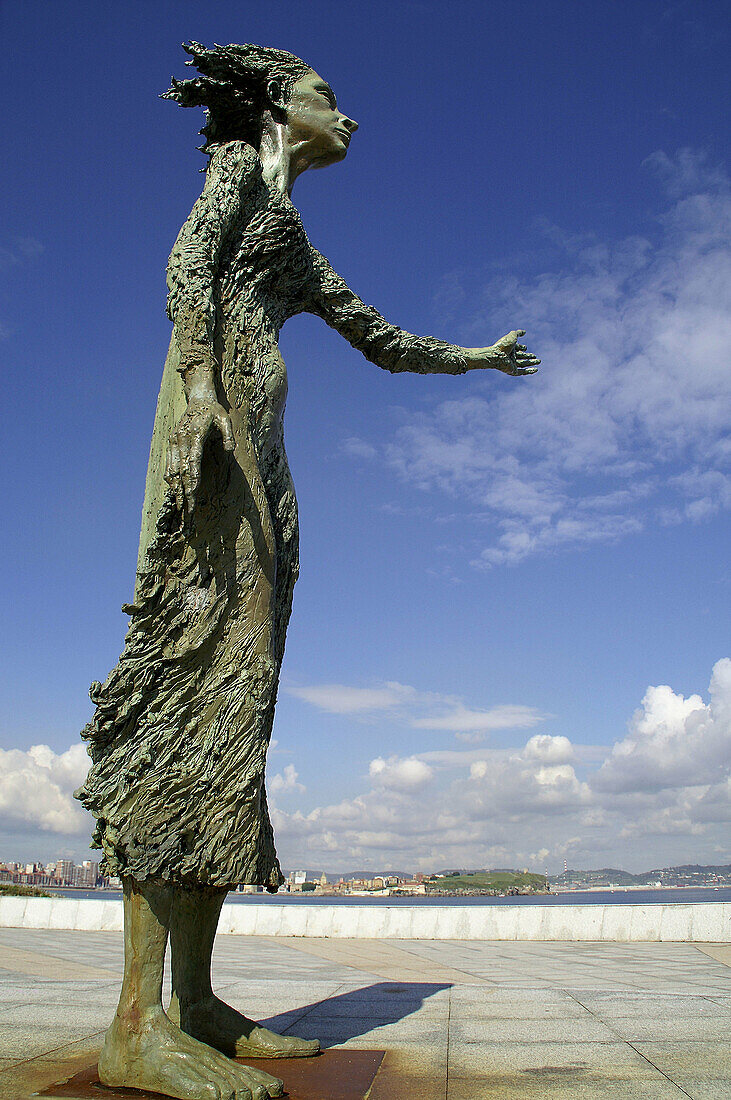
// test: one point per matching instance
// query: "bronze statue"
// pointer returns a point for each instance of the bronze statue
(182, 724)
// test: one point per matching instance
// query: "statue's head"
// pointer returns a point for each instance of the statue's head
(243, 86)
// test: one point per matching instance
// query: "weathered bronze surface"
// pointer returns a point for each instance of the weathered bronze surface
(182, 723)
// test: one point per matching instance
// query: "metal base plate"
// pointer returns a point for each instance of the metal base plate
(332, 1075)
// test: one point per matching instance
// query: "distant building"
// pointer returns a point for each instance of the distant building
(65, 871)
(86, 875)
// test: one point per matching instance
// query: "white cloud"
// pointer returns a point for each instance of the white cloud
(688, 171)
(345, 699)
(673, 741)
(36, 789)
(461, 719)
(358, 448)
(659, 796)
(21, 248)
(549, 750)
(534, 779)
(625, 426)
(407, 774)
(285, 781)
(417, 709)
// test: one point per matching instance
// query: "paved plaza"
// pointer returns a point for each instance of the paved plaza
(457, 1020)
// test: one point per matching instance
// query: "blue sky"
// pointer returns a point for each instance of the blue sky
(494, 571)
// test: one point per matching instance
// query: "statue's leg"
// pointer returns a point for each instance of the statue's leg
(143, 1048)
(195, 1007)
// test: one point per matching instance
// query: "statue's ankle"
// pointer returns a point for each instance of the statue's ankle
(183, 1005)
(131, 1020)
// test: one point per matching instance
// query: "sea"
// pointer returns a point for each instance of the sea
(657, 896)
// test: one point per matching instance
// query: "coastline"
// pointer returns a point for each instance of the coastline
(633, 895)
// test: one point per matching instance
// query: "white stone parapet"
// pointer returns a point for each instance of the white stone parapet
(699, 922)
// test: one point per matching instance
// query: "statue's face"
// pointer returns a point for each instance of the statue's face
(313, 120)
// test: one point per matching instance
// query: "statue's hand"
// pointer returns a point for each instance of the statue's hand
(506, 355)
(185, 449)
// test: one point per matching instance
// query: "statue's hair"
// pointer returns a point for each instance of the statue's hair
(233, 88)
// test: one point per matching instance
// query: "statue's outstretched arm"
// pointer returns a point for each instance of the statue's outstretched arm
(390, 347)
(192, 270)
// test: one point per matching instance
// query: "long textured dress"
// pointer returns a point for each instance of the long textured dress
(179, 737)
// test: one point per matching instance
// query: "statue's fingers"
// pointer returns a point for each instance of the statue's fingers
(176, 486)
(191, 481)
(172, 462)
(172, 471)
(195, 460)
(174, 454)
(190, 487)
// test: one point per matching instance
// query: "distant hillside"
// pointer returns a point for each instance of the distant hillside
(601, 877)
(684, 875)
(500, 881)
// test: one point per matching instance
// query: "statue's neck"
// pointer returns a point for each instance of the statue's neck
(275, 157)
(281, 161)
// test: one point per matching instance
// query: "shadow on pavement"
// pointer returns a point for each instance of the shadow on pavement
(355, 1013)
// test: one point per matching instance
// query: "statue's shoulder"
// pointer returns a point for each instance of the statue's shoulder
(235, 162)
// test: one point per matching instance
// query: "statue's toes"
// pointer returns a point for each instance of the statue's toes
(261, 1085)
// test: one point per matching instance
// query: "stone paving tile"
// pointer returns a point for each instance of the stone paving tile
(560, 1087)
(703, 1061)
(608, 1061)
(526, 1008)
(58, 994)
(428, 1041)
(24, 1079)
(75, 1016)
(684, 988)
(712, 1029)
(704, 1090)
(609, 1005)
(278, 990)
(102, 949)
(332, 999)
(530, 1031)
(468, 994)
(29, 1040)
(6, 1063)
(416, 1074)
(10, 1005)
(105, 1001)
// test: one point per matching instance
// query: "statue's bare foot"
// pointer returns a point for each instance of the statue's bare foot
(220, 1026)
(154, 1054)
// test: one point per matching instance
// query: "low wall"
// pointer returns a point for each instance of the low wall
(700, 922)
